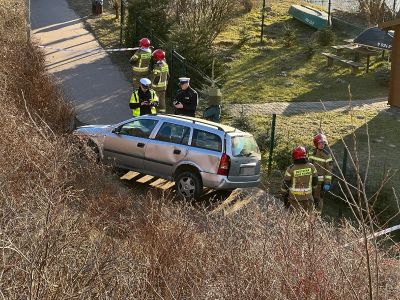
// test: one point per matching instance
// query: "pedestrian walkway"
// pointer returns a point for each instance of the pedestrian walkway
(293, 108)
(98, 88)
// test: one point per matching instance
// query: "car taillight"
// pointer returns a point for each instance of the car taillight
(224, 165)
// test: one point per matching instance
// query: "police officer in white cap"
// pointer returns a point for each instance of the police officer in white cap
(186, 99)
(143, 100)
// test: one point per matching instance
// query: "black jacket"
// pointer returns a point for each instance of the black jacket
(189, 99)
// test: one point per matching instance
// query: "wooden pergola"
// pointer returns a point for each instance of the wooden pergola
(394, 92)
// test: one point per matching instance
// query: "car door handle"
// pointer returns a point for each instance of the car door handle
(140, 145)
(177, 151)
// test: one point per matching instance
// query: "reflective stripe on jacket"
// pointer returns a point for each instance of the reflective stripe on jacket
(141, 60)
(160, 75)
(323, 162)
(136, 99)
(299, 181)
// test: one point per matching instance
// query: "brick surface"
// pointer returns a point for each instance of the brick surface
(293, 108)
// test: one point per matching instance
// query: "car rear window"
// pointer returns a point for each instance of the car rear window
(244, 146)
(206, 140)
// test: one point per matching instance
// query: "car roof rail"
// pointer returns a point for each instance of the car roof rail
(205, 122)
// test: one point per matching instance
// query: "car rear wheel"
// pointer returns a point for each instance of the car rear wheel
(189, 185)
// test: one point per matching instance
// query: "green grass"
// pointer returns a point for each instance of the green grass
(272, 72)
(258, 73)
(291, 131)
(378, 143)
(300, 129)
(384, 145)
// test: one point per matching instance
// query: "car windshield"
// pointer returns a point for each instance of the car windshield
(244, 146)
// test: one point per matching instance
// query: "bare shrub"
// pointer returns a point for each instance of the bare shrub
(248, 5)
(115, 5)
(22, 71)
(200, 22)
(326, 37)
(372, 10)
(289, 36)
(70, 230)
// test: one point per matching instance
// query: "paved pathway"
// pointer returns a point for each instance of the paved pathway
(291, 108)
(97, 87)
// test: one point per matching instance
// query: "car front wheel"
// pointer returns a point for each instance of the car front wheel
(189, 185)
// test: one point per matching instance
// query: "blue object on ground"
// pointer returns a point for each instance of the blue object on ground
(375, 37)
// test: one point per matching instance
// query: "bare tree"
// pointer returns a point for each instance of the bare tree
(115, 4)
(373, 10)
(203, 20)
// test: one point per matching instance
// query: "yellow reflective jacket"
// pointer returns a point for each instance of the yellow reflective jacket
(137, 99)
(322, 160)
(299, 181)
(140, 61)
(159, 76)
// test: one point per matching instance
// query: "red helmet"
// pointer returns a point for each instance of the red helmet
(299, 152)
(320, 137)
(158, 54)
(144, 42)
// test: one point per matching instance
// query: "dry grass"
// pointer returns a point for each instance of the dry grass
(69, 230)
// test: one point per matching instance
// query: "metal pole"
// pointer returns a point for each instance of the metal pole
(171, 90)
(394, 9)
(272, 143)
(121, 32)
(329, 13)
(262, 21)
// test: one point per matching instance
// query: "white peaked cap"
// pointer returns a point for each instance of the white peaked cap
(145, 81)
(184, 79)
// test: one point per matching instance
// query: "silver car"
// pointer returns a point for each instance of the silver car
(194, 153)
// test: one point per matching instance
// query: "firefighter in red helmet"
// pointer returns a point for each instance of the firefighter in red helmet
(322, 160)
(159, 77)
(140, 62)
(299, 182)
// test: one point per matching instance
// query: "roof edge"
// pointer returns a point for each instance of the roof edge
(390, 25)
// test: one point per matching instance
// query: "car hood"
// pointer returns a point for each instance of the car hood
(93, 129)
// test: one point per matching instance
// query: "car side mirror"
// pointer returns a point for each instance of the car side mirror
(116, 130)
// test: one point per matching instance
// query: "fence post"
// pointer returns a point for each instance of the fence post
(329, 13)
(271, 143)
(172, 74)
(262, 21)
(121, 31)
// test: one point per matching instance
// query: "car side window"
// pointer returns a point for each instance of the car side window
(139, 128)
(173, 133)
(206, 140)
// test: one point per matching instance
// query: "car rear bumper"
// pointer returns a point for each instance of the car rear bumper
(220, 182)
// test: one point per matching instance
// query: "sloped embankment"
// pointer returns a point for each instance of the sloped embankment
(69, 230)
